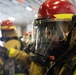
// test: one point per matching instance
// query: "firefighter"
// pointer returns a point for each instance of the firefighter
(56, 38)
(12, 47)
(13, 43)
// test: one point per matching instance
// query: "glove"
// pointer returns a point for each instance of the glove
(3, 52)
(29, 48)
(40, 60)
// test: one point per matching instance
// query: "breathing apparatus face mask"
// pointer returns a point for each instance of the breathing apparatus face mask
(51, 37)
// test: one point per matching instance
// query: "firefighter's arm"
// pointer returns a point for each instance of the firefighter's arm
(13, 51)
(17, 54)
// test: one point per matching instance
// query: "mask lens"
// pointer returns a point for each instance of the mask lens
(49, 34)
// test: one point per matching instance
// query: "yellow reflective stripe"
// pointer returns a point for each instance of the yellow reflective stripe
(3, 27)
(10, 27)
(20, 74)
(11, 52)
(63, 16)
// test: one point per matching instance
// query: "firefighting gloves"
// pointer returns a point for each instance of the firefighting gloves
(3, 50)
(40, 60)
(29, 48)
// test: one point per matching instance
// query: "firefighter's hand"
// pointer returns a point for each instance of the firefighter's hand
(27, 49)
(30, 48)
(3, 50)
(40, 60)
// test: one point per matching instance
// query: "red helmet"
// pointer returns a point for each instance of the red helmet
(7, 25)
(56, 9)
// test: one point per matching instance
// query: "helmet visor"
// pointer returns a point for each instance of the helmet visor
(51, 33)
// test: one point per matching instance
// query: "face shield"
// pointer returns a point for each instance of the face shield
(49, 34)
